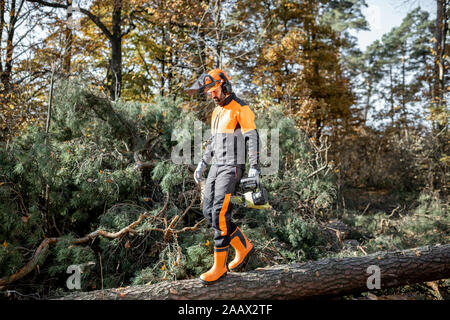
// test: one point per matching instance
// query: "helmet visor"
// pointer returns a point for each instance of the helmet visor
(203, 84)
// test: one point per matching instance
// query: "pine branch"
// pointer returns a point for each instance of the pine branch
(44, 246)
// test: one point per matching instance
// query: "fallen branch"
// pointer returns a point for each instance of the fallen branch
(44, 246)
(328, 277)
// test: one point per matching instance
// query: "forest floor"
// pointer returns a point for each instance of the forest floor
(395, 205)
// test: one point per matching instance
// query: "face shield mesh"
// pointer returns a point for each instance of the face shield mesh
(202, 84)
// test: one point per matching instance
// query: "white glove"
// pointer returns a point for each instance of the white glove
(198, 174)
(253, 172)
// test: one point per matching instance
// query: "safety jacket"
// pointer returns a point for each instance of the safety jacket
(232, 129)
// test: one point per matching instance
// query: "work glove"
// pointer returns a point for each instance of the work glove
(198, 174)
(253, 172)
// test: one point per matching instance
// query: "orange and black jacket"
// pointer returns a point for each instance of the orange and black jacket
(232, 129)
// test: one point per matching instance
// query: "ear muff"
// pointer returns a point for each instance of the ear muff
(226, 85)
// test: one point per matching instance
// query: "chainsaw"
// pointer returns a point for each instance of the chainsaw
(252, 194)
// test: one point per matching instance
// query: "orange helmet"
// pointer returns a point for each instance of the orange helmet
(210, 82)
(215, 73)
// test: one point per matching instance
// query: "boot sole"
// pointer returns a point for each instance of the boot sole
(212, 282)
(244, 262)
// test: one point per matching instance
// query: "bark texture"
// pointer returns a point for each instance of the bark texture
(328, 277)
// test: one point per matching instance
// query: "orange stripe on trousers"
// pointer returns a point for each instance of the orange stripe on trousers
(223, 211)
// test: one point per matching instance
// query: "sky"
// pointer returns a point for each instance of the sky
(383, 15)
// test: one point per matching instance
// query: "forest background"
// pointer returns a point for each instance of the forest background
(92, 91)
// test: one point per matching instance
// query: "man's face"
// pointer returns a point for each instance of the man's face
(217, 95)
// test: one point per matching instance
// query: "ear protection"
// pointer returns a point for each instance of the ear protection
(226, 85)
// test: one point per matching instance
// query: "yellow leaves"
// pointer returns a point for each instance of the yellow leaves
(207, 243)
(271, 54)
(445, 159)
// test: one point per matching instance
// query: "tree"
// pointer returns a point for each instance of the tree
(17, 108)
(114, 33)
(167, 49)
(440, 66)
(297, 58)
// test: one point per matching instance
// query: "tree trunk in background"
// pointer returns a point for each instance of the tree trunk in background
(391, 98)
(68, 39)
(328, 277)
(116, 52)
(219, 34)
(2, 25)
(404, 110)
(439, 70)
(439, 85)
(14, 12)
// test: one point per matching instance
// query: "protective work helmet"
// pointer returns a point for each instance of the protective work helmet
(210, 82)
(220, 79)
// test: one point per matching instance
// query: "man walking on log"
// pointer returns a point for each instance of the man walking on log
(232, 128)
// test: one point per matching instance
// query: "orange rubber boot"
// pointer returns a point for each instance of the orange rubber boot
(243, 249)
(219, 268)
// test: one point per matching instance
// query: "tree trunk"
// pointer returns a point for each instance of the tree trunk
(404, 110)
(6, 76)
(439, 50)
(328, 277)
(2, 26)
(438, 101)
(67, 59)
(391, 99)
(115, 37)
(116, 52)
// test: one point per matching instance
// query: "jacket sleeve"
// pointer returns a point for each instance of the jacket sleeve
(246, 119)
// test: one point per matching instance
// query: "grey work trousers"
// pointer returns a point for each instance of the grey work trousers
(220, 186)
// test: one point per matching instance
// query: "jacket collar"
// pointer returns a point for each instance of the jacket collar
(228, 100)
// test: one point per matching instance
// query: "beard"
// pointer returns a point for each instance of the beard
(220, 99)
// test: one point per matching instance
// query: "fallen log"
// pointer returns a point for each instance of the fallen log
(327, 277)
